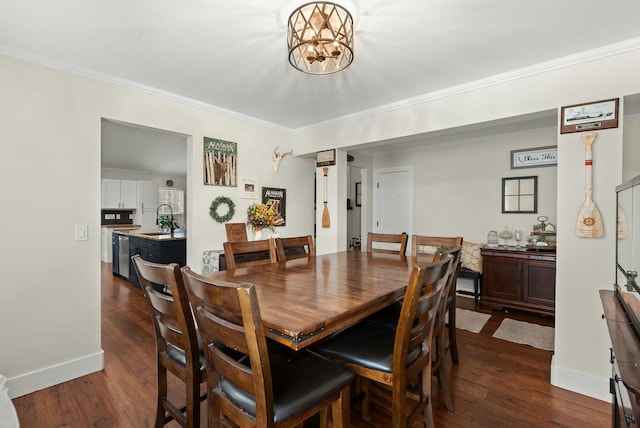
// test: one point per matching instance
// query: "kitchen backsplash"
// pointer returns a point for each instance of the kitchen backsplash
(114, 216)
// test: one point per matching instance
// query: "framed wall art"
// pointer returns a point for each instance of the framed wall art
(276, 198)
(326, 158)
(533, 158)
(220, 162)
(585, 117)
(249, 188)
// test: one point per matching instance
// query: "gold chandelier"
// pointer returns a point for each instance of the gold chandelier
(320, 38)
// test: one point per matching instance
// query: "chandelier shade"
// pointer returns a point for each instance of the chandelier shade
(320, 38)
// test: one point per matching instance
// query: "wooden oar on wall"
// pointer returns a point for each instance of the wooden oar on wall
(326, 220)
(589, 223)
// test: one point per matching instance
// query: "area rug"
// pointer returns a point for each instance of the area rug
(526, 333)
(471, 320)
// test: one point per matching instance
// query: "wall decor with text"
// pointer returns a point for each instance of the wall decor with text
(220, 162)
(277, 199)
(533, 158)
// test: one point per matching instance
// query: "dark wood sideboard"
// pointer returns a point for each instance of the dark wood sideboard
(519, 278)
(624, 384)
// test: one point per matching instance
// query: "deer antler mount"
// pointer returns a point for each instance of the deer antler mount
(277, 157)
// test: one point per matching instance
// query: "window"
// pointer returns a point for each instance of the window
(520, 195)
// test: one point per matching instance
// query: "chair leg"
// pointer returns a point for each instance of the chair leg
(340, 410)
(453, 343)
(193, 403)
(366, 402)
(214, 415)
(443, 381)
(426, 395)
(162, 395)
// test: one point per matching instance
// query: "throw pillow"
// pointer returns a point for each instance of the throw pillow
(471, 258)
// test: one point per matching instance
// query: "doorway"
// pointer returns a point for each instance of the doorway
(354, 207)
(143, 155)
(393, 200)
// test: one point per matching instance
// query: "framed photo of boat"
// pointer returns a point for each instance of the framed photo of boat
(586, 117)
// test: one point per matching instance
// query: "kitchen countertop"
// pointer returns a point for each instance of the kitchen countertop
(152, 235)
(121, 226)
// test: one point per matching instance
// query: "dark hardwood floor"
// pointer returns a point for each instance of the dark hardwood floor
(496, 384)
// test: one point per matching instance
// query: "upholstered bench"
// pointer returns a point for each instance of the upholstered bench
(211, 261)
(471, 269)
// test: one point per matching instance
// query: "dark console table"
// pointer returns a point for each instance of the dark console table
(519, 278)
(624, 384)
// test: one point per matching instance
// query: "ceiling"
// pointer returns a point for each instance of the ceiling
(230, 56)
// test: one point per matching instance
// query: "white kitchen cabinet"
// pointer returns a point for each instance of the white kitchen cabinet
(119, 194)
(147, 206)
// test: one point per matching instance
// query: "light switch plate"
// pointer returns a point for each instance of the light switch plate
(81, 232)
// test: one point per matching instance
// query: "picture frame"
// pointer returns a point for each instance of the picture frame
(220, 163)
(590, 116)
(358, 194)
(535, 157)
(326, 158)
(249, 188)
(277, 198)
(520, 195)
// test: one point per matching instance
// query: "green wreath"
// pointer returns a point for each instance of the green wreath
(213, 210)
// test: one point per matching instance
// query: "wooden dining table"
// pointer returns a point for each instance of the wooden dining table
(305, 300)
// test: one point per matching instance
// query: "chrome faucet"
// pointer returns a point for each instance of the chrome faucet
(173, 224)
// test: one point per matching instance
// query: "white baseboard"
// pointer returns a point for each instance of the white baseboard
(35, 381)
(579, 382)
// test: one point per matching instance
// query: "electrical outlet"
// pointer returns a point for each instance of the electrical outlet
(81, 232)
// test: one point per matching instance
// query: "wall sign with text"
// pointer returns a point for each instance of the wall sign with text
(277, 199)
(533, 158)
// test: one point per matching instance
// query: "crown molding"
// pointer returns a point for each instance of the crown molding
(536, 69)
(544, 67)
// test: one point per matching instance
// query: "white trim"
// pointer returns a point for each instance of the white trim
(581, 383)
(535, 69)
(54, 375)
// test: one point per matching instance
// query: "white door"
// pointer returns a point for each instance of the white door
(393, 200)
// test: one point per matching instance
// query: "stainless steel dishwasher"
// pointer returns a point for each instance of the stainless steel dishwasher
(123, 256)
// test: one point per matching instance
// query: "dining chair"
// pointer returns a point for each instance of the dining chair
(236, 232)
(272, 385)
(177, 345)
(393, 357)
(430, 244)
(385, 239)
(440, 344)
(295, 248)
(249, 253)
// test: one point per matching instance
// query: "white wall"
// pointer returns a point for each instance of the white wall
(458, 186)
(582, 267)
(51, 170)
(631, 148)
